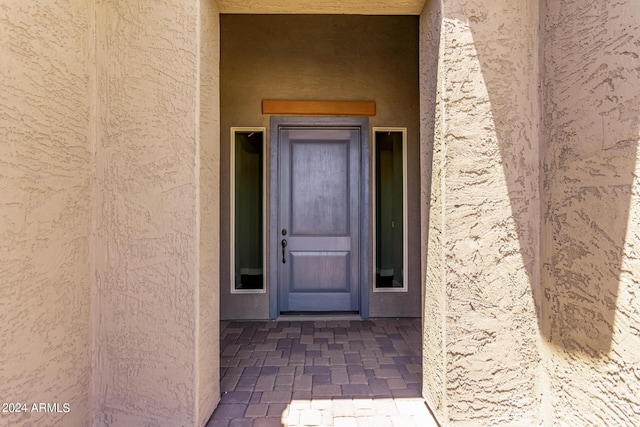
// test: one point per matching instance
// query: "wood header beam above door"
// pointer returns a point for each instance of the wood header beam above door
(319, 108)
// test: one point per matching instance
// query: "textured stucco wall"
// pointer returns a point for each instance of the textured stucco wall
(432, 215)
(592, 210)
(311, 57)
(152, 284)
(208, 335)
(46, 159)
(485, 218)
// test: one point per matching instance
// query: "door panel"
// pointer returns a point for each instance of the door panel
(319, 188)
(319, 179)
(320, 271)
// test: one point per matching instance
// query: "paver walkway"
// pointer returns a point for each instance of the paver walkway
(342, 373)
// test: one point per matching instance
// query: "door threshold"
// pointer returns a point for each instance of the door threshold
(318, 316)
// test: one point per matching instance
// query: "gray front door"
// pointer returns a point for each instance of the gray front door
(318, 218)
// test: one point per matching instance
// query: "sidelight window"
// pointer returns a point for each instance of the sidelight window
(390, 209)
(247, 210)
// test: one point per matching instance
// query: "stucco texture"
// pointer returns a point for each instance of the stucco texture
(207, 374)
(482, 269)
(156, 332)
(46, 176)
(108, 212)
(592, 210)
(533, 213)
(432, 214)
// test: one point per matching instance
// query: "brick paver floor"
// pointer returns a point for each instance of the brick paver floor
(337, 373)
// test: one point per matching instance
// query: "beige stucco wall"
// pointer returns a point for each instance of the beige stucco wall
(432, 214)
(139, 117)
(156, 309)
(46, 176)
(592, 210)
(482, 276)
(208, 292)
(334, 57)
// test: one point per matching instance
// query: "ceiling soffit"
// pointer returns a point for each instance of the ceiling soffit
(355, 7)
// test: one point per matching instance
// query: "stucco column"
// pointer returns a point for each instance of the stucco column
(480, 113)
(155, 311)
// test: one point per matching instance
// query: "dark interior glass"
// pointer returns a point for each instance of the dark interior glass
(389, 210)
(248, 212)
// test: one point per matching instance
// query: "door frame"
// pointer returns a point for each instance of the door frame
(276, 123)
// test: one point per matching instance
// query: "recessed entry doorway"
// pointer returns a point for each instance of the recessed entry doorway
(361, 258)
(319, 225)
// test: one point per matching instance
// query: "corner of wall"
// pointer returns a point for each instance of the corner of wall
(432, 213)
(208, 121)
(155, 353)
(486, 179)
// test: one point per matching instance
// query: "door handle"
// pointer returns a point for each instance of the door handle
(284, 245)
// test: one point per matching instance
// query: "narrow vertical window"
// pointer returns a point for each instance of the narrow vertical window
(390, 209)
(247, 211)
